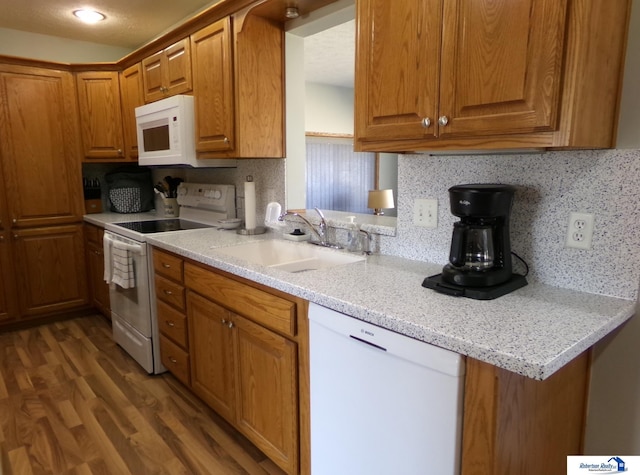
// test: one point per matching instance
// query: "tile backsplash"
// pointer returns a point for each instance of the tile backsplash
(549, 186)
(268, 174)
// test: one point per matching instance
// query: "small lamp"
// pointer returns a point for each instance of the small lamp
(380, 199)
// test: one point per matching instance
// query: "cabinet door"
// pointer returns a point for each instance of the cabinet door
(39, 144)
(95, 265)
(167, 72)
(267, 404)
(132, 97)
(52, 275)
(501, 66)
(8, 296)
(397, 69)
(213, 87)
(211, 349)
(152, 77)
(100, 115)
(8, 303)
(177, 77)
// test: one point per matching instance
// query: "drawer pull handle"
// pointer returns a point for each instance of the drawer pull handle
(166, 266)
(173, 360)
(170, 323)
(168, 292)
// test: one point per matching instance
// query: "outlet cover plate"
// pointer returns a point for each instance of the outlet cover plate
(579, 231)
(425, 213)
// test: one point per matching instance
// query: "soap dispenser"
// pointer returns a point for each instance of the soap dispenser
(353, 235)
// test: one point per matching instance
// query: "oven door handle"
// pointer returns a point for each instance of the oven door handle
(135, 248)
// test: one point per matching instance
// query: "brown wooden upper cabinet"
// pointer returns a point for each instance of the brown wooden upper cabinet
(461, 74)
(132, 96)
(167, 72)
(238, 88)
(100, 115)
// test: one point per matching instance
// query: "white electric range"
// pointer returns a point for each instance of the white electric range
(129, 266)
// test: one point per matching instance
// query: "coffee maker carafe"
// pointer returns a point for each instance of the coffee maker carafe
(480, 257)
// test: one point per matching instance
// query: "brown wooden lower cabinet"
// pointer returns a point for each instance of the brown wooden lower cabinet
(514, 425)
(51, 269)
(244, 354)
(8, 298)
(95, 267)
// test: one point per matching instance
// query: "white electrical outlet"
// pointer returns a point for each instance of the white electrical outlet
(425, 213)
(580, 231)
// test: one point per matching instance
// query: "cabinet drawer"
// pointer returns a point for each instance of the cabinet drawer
(175, 360)
(168, 265)
(260, 306)
(172, 324)
(170, 292)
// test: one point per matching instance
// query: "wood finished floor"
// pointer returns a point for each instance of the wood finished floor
(73, 403)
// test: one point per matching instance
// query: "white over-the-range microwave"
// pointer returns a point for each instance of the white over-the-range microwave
(166, 134)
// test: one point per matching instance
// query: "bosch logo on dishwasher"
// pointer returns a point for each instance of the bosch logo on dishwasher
(366, 332)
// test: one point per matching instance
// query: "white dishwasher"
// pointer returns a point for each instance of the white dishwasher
(381, 403)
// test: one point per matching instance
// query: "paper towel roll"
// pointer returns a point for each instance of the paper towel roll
(249, 205)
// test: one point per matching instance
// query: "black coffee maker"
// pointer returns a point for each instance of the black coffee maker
(480, 258)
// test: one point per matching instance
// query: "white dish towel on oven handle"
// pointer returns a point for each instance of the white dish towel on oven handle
(118, 263)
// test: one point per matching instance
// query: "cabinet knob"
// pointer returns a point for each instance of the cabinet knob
(1, 238)
(173, 360)
(167, 292)
(426, 122)
(226, 140)
(120, 151)
(443, 120)
(170, 323)
(15, 236)
(14, 220)
(166, 266)
(230, 325)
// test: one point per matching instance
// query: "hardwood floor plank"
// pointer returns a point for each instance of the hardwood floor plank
(109, 453)
(19, 462)
(69, 415)
(3, 387)
(45, 453)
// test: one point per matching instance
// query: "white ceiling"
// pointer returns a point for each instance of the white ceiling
(129, 23)
(329, 54)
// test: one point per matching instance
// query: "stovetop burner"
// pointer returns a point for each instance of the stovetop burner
(161, 225)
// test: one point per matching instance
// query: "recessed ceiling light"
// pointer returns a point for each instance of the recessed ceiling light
(89, 16)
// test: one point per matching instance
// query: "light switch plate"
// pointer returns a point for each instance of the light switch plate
(425, 213)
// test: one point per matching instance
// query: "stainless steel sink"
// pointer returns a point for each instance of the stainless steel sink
(289, 256)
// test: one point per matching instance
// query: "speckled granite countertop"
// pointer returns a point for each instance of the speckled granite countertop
(533, 331)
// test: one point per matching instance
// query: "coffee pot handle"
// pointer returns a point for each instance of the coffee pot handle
(457, 254)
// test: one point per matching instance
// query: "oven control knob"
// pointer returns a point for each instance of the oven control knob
(182, 191)
(217, 194)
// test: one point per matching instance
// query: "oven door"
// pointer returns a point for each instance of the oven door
(131, 307)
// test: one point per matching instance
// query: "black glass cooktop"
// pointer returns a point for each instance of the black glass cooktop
(161, 225)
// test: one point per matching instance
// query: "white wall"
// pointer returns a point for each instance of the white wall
(296, 175)
(328, 109)
(53, 48)
(629, 123)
